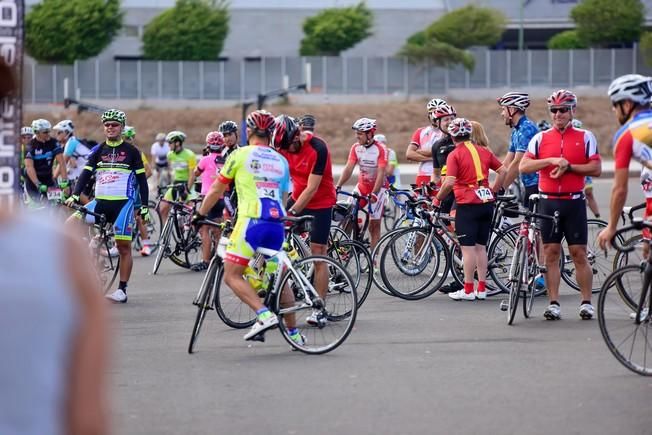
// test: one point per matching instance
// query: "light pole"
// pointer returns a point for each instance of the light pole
(520, 28)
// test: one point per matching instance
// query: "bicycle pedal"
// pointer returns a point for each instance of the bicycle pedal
(543, 269)
(258, 337)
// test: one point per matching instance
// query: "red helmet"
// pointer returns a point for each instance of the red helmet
(562, 97)
(285, 132)
(460, 127)
(215, 140)
(261, 122)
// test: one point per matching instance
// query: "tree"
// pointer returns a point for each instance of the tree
(646, 48)
(336, 29)
(608, 22)
(566, 40)
(191, 30)
(62, 31)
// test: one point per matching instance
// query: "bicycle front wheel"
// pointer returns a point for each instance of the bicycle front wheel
(164, 245)
(229, 307)
(517, 271)
(203, 302)
(326, 324)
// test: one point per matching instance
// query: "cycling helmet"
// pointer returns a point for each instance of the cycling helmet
(577, 123)
(228, 127)
(307, 122)
(261, 122)
(176, 136)
(215, 141)
(460, 127)
(442, 110)
(39, 125)
(285, 132)
(381, 138)
(435, 103)
(544, 125)
(114, 115)
(129, 132)
(633, 87)
(26, 131)
(562, 97)
(365, 125)
(519, 100)
(160, 136)
(65, 126)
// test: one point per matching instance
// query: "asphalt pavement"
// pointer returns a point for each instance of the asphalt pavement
(433, 366)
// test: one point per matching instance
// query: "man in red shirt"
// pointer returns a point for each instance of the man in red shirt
(422, 141)
(564, 156)
(467, 175)
(313, 191)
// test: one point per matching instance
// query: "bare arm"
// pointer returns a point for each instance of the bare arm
(31, 172)
(592, 169)
(446, 187)
(346, 173)
(512, 168)
(217, 191)
(148, 169)
(314, 181)
(500, 179)
(529, 165)
(380, 180)
(436, 175)
(63, 173)
(413, 154)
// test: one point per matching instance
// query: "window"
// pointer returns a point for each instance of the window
(131, 31)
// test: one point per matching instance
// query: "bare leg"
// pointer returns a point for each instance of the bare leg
(591, 202)
(551, 252)
(481, 260)
(583, 270)
(126, 260)
(470, 262)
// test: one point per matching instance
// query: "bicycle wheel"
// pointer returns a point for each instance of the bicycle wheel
(108, 269)
(627, 339)
(375, 258)
(530, 291)
(415, 263)
(164, 245)
(203, 302)
(457, 270)
(516, 277)
(355, 258)
(637, 256)
(229, 307)
(500, 254)
(338, 309)
(389, 215)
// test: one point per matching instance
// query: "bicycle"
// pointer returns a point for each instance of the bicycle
(624, 308)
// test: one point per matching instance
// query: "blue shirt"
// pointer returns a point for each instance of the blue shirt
(524, 130)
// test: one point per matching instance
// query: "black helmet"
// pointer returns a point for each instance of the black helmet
(228, 127)
(285, 132)
(307, 121)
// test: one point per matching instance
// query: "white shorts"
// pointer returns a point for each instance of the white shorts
(377, 207)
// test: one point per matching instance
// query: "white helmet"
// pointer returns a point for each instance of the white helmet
(364, 125)
(26, 131)
(519, 100)
(39, 125)
(633, 87)
(380, 138)
(160, 136)
(175, 136)
(435, 103)
(460, 127)
(65, 126)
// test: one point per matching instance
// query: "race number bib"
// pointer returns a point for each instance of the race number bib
(55, 194)
(484, 193)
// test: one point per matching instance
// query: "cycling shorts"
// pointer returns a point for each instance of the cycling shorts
(162, 165)
(321, 224)
(529, 190)
(119, 213)
(250, 234)
(572, 221)
(216, 211)
(179, 194)
(473, 223)
(377, 207)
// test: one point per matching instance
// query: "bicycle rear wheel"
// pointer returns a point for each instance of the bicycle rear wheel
(516, 278)
(355, 258)
(229, 307)
(375, 259)
(108, 269)
(530, 291)
(637, 256)
(337, 313)
(203, 302)
(164, 245)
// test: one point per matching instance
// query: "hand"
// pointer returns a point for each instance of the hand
(337, 189)
(63, 184)
(42, 188)
(144, 213)
(373, 198)
(196, 218)
(605, 237)
(74, 199)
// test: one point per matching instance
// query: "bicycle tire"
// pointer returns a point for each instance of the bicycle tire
(622, 259)
(350, 252)
(110, 275)
(530, 291)
(389, 215)
(203, 303)
(457, 270)
(616, 320)
(165, 237)
(228, 307)
(339, 324)
(500, 253)
(375, 276)
(516, 281)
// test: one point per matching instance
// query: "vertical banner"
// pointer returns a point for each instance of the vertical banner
(11, 56)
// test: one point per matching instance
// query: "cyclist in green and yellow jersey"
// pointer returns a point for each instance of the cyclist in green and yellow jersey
(182, 162)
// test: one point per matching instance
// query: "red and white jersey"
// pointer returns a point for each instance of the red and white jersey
(370, 159)
(424, 138)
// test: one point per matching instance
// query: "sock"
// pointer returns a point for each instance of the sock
(263, 313)
(554, 303)
(293, 331)
(468, 288)
(482, 286)
(123, 286)
(586, 302)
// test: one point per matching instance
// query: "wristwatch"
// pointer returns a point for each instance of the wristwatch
(569, 168)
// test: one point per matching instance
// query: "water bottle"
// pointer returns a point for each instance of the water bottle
(270, 270)
(292, 253)
(253, 278)
(221, 246)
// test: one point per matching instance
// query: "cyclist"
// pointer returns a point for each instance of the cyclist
(26, 135)
(229, 130)
(561, 185)
(513, 106)
(42, 152)
(129, 136)
(75, 153)
(208, 168)
(307, 123)
(262, 191)
(630, 97)
(183, 162)
(313, 190)
(371, 156)
(588, 182)
(421, 143)
(118, 167)
(467, 175)
(392, 170)
(544, 125)
(159, 151)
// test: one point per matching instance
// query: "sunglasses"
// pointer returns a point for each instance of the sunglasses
(112, 124)
(559, 109)
(43, 131)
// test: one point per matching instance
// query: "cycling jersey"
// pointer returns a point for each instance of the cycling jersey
(424, 138)
(312, 158)
(182, 164)
(395, 178)
(633, 140)
(522, 133)
(43, 155)
(261, 178)
(160, 152)
(371, 159)
(440, 151)
(209, 167)
(577, 146)
(79, 152)
(470, 164)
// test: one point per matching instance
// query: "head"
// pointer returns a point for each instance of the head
(380, 138)
(543, 125)
(479, 135)
(176, 139)
(160, 138)
(260, 126)
(26, 134)
(440, 114)
(63, 130)
(630, 94)
(513, 105)
(286, 134)
(129, 134)
(229, 130)
(41, 128)
(460, 129)
(562, 104)
(114, 121)
(365, 128)
(307, 123)
(215, 141)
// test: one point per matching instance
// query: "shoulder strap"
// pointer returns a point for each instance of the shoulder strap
(476, 160)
